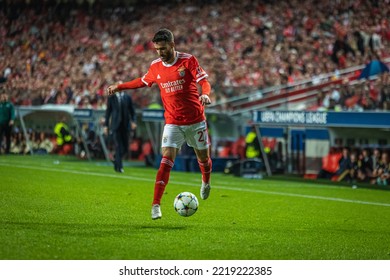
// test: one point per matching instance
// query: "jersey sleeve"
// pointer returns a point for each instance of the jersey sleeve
(196, 70)
(149, 78)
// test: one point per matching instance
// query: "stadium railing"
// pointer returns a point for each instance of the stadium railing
(290, 96)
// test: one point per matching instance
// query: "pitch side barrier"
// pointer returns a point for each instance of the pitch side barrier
(220, 125)
(82, 120)
(41, 118)
(44, 118)
(351, 129)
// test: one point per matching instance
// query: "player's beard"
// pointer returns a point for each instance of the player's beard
(169, 57)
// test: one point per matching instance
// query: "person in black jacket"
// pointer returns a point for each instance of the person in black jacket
(7, 117)
(119, 121)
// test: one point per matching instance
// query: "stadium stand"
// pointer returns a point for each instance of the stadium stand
(66, 52)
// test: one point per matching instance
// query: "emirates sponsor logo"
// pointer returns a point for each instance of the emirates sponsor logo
(173, 86)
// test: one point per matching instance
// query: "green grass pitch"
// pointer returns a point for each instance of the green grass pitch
(76, 210)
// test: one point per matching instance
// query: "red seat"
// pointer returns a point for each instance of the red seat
(330, 162)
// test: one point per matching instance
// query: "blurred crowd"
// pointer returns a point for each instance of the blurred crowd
(37, 143)
(358, 97)
(67, 52)
(357, 165)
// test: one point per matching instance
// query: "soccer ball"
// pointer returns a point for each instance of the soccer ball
(186, 204)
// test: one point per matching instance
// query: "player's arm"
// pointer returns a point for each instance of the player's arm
(136, 83)
(206, 89)
(200, 77)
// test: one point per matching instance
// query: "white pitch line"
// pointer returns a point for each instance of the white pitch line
(309, 196)
(190, 184)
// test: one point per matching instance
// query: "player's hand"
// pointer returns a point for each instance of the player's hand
(133, 125)
(105, 130)
(204, 99)
(112, 89)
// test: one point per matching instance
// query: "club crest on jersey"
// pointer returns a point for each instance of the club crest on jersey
(182, 71)
(165, 139)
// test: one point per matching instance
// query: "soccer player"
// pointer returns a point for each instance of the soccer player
(176, 74)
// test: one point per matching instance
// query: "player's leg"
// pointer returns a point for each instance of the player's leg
(163, 173)
(172, 140)
(197, 137)
(205, 165)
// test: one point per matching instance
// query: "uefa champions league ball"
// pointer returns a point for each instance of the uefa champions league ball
(186, 204)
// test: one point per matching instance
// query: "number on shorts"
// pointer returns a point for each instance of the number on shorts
(202, 135)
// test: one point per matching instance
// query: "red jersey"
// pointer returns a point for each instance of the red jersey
(177, 83)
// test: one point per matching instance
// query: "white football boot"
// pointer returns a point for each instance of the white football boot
(156, 212)
(205, 190)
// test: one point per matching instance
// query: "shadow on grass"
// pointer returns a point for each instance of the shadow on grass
(88, 230)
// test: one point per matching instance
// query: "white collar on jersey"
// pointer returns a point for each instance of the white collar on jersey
(170, 64)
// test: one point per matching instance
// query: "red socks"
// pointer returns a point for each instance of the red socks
(205, 168)
(162, 179)
(164, 171)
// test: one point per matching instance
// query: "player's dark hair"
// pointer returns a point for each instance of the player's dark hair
(163, 35)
